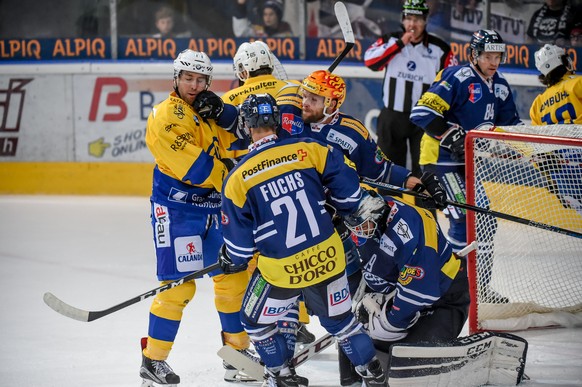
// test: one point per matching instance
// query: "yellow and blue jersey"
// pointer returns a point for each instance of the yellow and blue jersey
(413, 257)
(560, 103)
(262, 84)
(459, 95)
(187, 149)
(273, 205)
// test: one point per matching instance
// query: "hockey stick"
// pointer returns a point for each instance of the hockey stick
(256, 371)
(83, 315)
(517, 219)
(343, 19)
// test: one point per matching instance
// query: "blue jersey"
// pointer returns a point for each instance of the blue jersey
(273, 205)
(412, 257)
(346, 134)
(461, 96)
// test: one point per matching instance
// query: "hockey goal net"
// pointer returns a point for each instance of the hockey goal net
(523, 276)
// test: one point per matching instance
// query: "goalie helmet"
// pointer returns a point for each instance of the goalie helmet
(194, 61)
(326, 84)
(487, 41)
(415, 7)
(260, 110)
(550, 57)
(370, 216)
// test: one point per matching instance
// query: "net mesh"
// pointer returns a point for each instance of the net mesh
(522, 270)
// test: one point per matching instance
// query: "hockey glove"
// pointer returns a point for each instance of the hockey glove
(208, 105)
(433, 186)
(230, 163)
(227, 265)
(377, 305)
(453, 140)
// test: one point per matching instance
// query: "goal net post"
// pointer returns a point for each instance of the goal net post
(521, 276)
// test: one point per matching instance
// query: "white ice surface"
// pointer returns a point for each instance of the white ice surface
(95, 252)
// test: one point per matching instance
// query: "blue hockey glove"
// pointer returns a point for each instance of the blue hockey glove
(227, 265)
(454, 141)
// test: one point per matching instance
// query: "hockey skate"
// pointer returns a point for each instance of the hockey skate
(157, 371)
(372, 374)
(304, 336)
(233, 375)
(284, 378)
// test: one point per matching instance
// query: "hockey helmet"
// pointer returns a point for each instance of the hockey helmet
(487, 41)
(326, 84)
(238, 59)
(415, 7)
(370, 217)
(252, 57)
(260, 110)
(194, 61)
(550, 57)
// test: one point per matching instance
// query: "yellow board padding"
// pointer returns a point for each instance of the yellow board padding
(73, 178)
(539, 205)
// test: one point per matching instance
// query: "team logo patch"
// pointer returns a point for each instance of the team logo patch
(338, 295)
(291, 123)
(402, 229)
(342, 140)
(188, 251)
(387, 246)
(162, 226)
(502, 92)
(409, 273)
(177, 195)
(224, 218)
(379, 157)
(475, 92)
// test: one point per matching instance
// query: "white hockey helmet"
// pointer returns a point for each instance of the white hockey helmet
(549, 57)
(258, 56)
(194, 61)
(237, 61)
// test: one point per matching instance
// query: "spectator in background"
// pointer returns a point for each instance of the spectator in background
(552, 23)
(412, 57)
(165, 23)
(271, 16)
(576, 36)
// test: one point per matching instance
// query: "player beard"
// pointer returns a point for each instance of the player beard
(310, 117)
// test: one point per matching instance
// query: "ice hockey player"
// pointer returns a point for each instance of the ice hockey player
(466, 97)
(273, 206)
(185, 134)
(314, 111)
(420, 291)
(255, 66)
(561, 102)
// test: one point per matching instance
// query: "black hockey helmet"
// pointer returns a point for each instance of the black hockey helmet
(260, 110)
(415, 7)
(487, 41)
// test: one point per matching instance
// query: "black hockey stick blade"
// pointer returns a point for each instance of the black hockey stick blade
(497, 214)
(343, 19)
(74, 313)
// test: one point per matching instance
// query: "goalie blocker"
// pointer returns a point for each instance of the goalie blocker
(480, 359)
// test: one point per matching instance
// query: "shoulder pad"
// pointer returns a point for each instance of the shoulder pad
(356, 125)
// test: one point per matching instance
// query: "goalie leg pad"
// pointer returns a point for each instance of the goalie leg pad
(483, 358)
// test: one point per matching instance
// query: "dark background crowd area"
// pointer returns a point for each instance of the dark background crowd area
(31, 19)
